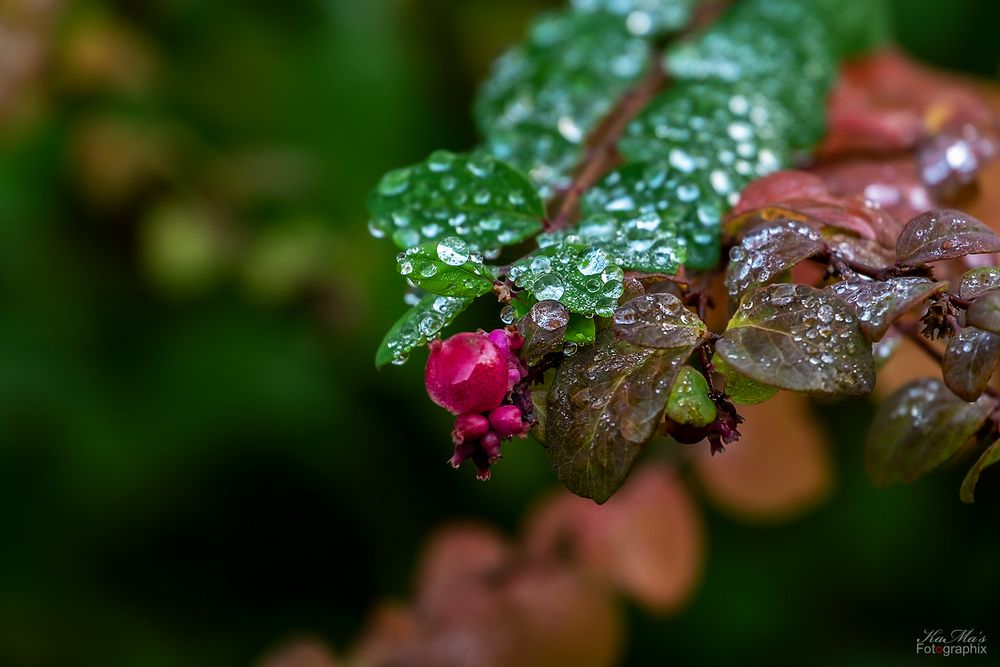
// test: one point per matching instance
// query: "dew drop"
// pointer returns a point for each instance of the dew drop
(453, 251)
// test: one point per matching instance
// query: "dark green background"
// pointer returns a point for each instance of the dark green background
(190, 473)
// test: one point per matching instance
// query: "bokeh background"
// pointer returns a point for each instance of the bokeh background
(197, 457)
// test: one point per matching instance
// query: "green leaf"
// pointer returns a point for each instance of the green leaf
(693, 202)
(583, 278)
(800, 338)
(545, 96)
(879, 303)
(643, 17)
(605, 404)
(643, 242)
(739, 388)
(856, 27)
(581, 330)
(977, 281)
(445, 267)
(918, 428)
(943, 234)
(767, 251)
(485, 202)
(985, 311)
(659, 320)
(988, 458)
(417, 326)
(689, 402)
(544, 330)
(969, 361)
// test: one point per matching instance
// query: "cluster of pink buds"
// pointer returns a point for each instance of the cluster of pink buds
(474, 375)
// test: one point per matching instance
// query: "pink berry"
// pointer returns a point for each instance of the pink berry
(491, 445)
(466, 373)
(506, 421)
(470, 426)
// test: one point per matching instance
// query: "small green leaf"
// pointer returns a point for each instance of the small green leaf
(642, 17)
(644, 242)
(546, 95)
(445, 267)
(879, 303)
(544, 330)
(583, 278)
(979, 280)
(692, 202)
(767, 251)
(985, 311)
(988, 458)
(800, 338)
(969, 361)
(943, 234)
(689, 402)
(739, 388)
(605, 404)
(485, 202)
(581, 330)
(918, 428)
(658, 320)
(417, 326)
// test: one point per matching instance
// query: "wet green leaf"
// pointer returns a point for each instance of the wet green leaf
(642, 242)
(969, 361)
(581, 330)
(800, 338)
(988, 458)
(879, 303)
(977, 281)
(485, 202)
(689, 402)
(767, 251)
(942, 234)
(985, 311)
(546, 95)
(658, 320)
(582, 278)
(544, 330)
(739, 388)
(605, 403)
(417, 326)
(446, 267)
(918, 428)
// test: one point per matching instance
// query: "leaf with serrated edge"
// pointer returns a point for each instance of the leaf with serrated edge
(486, 202)
(942, 234)
(918, 428)
(988, 458)
(445, 267)
(739, 388)
(969, 360)
(605, 404)
(879, 303)
(800, 338)
(658, 320)
(768, 250)
(979, 280)
(985, 311)
(417, 326)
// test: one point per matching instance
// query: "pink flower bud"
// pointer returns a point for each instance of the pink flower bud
(491, 445)
(506, 421)
(470, 427)
(466, 373)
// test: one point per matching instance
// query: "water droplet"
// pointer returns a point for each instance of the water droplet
(453, 251)
(507, 314)
(549, 286)
(428, 270)
(569, 348)
(440, 161)
(375, 230)
(394, 183)
(594, 261)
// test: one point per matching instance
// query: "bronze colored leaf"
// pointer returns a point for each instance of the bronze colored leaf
(660, 321)
(944, 234)
(969, 362)
(879, 303)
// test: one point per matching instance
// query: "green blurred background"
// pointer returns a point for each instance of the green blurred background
(197, 457)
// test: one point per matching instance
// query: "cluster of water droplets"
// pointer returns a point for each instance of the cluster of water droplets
(657, 320)
(423, 322)
(546, 95)
(425, 262)
(585, 279)
(451, 194)
(644, 242)
(979, 280)
(768, 250)
(876, 301)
